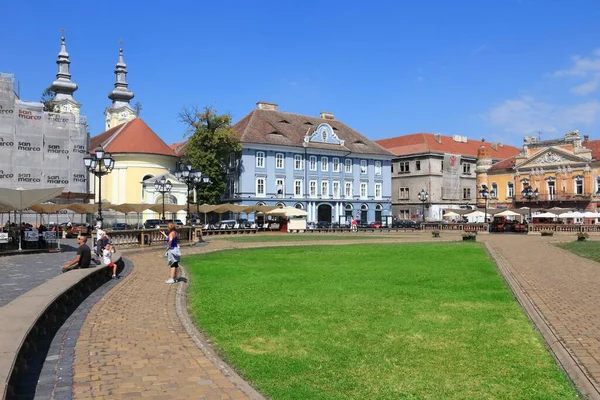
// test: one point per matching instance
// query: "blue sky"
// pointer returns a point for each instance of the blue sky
(497, 69)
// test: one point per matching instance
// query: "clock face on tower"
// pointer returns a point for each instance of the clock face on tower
(65, 108)
(124, 114)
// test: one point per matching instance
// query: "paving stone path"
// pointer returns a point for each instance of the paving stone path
(24, 272)
(562, 292)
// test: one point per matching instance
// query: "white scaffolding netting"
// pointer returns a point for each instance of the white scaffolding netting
(39, 149)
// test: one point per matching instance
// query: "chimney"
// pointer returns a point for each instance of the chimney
(500, 144)
(263, 105)
(586, 138)
(494, 146)
(437, 137)
(327, 115)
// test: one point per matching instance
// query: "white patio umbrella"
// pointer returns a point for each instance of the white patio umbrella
(590, 214)
(451, 214)
(21, 199)
(545, 215)
(507, 213)
(475, 214)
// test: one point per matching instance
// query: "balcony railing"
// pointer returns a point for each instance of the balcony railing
(557, 197)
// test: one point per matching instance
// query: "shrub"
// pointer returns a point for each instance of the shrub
(547, 233)
(435, 233)
(470, 236)
(582, 236)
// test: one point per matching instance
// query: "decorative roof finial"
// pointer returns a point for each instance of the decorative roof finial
(63, 87)
(121, 95)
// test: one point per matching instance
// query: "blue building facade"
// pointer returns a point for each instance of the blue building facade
(317, 164)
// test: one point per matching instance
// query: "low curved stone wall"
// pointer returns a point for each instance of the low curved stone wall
(33, 319)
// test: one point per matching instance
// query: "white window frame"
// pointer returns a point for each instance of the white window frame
(348, 191)
(378, 191)
(260, 180)
(336, 164)
(280, 181)
(363, 167)
(510, 189)
(312, 160)
(325, 189)
(298, 162)
(279, 161)
(312, 188)
(336, 193)
(404, 167)
(348, 165)
(576, 180)
(324, 164)
(377, 167)
(260, 159)
(466, 193)
(298, 188)
(364, 190)
(403, 193)
(466, 168)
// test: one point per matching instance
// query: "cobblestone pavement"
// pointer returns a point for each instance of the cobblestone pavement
(562, 297)
(22, 273)
(56, 377)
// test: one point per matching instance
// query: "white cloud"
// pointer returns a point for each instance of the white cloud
(525, 115)
(586, 68)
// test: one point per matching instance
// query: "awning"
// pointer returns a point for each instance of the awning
(48, 208)
(21, 199)
(451, 214)
(287, 212)
(508, 213)
(127, 208)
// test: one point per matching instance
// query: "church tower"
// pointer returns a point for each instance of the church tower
(120, 111)
(63, 87)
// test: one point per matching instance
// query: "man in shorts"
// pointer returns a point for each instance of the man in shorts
(82, 258)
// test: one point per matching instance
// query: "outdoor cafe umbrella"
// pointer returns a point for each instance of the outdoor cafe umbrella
(507, 213)
(127, 208)
(21, 199)
(451, 214)
(545, 215)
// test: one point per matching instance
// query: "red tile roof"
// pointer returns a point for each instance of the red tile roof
(507, 163)
(426, 143)
(593, 145)
(132, 137)
(178, 147)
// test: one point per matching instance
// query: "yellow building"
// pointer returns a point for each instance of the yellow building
(560, 172)
(141, 157)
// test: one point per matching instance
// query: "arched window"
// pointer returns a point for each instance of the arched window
(299, 206)
(260, 203)
(348, 210)
(144, 179)
(364, 213)
(169, 199)
(280, 205)
(378, 209)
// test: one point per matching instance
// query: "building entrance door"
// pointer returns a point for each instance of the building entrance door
(324, 213)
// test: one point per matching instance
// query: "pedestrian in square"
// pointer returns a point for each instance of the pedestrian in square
(173, 252)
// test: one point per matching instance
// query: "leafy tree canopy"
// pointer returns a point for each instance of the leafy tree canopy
(46, 99)
(211, 140)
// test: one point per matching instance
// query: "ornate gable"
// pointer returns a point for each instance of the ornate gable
(324, 134)
(551, 156)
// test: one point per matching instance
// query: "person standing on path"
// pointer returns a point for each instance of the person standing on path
(173, 253)
(83, 257)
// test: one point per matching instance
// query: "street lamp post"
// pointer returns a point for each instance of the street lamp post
(530, 195)
(423, 197)
(484, 193)
(99, 163)
(163, 186)
(191, 178)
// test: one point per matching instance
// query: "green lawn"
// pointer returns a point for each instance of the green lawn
(588, 249)
(307, 237)
(371, 321)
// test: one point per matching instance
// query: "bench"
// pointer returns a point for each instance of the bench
(35, 317)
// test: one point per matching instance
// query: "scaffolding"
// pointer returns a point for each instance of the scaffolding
(39, 149)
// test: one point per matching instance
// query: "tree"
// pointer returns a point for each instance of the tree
(46, 100)
(211, 140)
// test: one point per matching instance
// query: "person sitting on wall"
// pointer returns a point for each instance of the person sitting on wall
(82, 258)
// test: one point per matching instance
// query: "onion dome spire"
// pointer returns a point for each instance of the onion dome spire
(121, 95)
(63, 87)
